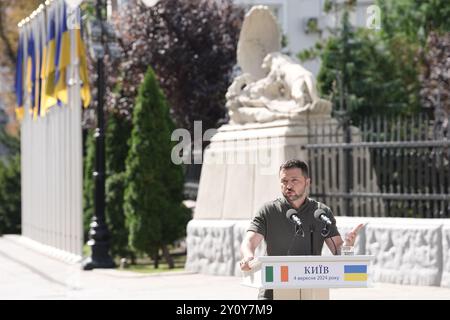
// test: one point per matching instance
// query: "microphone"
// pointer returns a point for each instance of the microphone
(291, 214)
(321, 215)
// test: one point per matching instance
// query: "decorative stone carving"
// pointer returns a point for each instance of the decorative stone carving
(273, 86)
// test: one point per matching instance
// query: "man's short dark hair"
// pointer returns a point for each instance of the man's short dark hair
(295, 163)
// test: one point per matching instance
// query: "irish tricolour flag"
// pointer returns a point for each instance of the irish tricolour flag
(284, 273)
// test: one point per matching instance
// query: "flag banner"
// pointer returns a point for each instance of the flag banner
(31, 70)
(355, 273)
(83, 71)
(19, 77)
(50, 100)
(62, 56)
(46, 49)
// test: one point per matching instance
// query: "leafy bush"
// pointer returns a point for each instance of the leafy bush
(10, 195)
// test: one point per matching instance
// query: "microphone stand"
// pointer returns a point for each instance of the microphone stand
(325, 232)
(298, 231)
(311, 234)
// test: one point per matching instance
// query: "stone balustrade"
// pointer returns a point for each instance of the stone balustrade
(407, 251)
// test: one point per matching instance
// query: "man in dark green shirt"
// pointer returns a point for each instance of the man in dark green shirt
(282, 236)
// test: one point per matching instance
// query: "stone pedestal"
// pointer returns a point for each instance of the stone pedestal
(240, 166)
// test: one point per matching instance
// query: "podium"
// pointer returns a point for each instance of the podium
(307, 277)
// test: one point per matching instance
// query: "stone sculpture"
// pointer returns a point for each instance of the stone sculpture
(273, 85)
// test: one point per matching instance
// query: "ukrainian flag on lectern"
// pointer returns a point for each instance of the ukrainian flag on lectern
(355, 272)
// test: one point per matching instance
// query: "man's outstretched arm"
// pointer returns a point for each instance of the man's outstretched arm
(249, 244)
(338, 242)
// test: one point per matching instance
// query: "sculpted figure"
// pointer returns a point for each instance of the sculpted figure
(278, 87)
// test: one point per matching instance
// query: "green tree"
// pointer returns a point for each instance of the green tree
(88, 182)
(367, 72)
(412, 32)
(9, 143)
(10, 184)
(10, 195)
(413, 19)
(118, 131)
(359, 77)
(191, 44)
(156, 216)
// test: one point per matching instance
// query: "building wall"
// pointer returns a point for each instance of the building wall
(292, 16)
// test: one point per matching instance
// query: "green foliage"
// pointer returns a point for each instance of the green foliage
(10, 195)
(115, 217)
(117, 134)
(88, 182)
(118, 131)
(10, 184)
(367, 72)
(413, 19)
(153, 204)
(191, 44)
(116, 149)
(11, 144)
(359, 77)
(284, 41)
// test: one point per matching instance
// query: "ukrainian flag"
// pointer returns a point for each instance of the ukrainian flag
(19, 78)
(49, 68)
(84, 75)
(39, 58)
(42, 78)
(31, 70)
(62, 57)
(355, 273)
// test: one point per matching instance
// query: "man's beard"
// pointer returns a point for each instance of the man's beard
(293, 196)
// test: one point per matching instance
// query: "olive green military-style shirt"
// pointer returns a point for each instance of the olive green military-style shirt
(280, 233)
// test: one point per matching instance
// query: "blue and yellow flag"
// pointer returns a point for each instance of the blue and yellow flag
(50, 96)
(43, 67)
(83, 71)
(62, 57)
(355, 273)
(43, 63)
(39, 61)
(31, 70)
(19, 78)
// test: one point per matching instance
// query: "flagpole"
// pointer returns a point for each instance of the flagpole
(99, 235)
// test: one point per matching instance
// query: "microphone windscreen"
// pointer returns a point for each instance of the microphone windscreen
(318, 213)
(290, 212)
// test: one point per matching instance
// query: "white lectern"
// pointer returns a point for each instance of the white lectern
(307, 277)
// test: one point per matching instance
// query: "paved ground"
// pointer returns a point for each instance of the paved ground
(27, 274)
